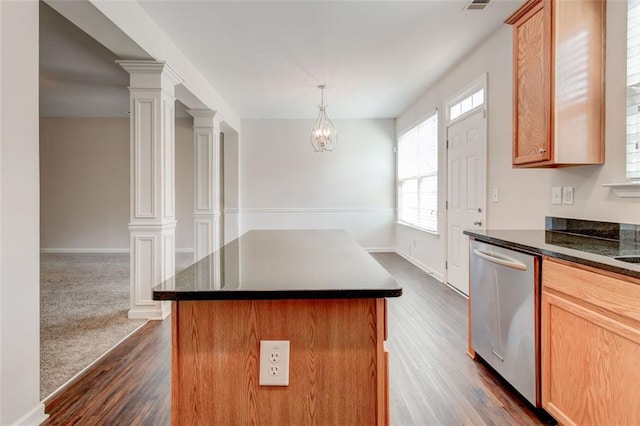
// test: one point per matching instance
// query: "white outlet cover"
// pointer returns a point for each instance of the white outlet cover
(274, 356)
(556, 195)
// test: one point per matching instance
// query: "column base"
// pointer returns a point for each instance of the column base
(206, 234)
(153, 258)
(158, 312)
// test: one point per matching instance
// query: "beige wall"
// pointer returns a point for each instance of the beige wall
(285, 185)
(84, 164)
(525, 194)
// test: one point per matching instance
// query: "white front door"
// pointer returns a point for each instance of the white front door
(466, 189)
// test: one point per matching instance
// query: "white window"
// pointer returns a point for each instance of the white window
(418, 176)
(633, 89)
(467, 104)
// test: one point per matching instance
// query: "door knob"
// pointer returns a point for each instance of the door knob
(477, 222)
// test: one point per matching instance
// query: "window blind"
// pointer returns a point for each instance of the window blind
(418, 175)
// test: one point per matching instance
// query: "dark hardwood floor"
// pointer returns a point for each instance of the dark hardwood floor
(131, 385)
(432, 380)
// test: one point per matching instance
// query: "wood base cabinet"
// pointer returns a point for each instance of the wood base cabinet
(590, 345)
(558, 83)
(338, 371)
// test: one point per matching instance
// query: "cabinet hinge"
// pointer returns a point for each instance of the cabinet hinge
(446, 265)
(446, 205)
(447, 144)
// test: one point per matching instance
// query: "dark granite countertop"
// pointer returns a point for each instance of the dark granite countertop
(583, 249)
(284, 264)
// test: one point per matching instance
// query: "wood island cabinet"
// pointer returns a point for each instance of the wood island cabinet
(268, 285)
(590, 345)
(558, 83)
(339, 368)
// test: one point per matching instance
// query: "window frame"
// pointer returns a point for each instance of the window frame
(419, 177)
(631, 121)
(476, 85)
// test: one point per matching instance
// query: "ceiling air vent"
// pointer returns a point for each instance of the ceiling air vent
(477, 4)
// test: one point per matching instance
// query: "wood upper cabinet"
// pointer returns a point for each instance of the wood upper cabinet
(590, 330)
(558, 83)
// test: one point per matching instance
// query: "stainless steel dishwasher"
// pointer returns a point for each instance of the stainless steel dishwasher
(505, 326)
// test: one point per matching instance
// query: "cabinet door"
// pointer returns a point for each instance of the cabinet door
(532, 86)
(590, 370)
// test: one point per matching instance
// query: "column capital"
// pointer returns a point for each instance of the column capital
(149, 74)
(206, 118)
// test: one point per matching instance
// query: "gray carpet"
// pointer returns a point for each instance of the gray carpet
(84, 299)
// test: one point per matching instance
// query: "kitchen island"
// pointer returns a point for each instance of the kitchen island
(320, 291)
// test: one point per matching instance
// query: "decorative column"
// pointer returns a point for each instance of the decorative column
(152, 203)
(206, 213)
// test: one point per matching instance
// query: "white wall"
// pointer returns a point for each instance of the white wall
(85, 183)
(285, 185)
(525, 194)
(19, 224)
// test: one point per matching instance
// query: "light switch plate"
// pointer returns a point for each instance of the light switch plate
(274, 363)
(495, 196)
(567, 195)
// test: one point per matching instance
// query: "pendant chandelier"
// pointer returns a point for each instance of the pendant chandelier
(323, 135)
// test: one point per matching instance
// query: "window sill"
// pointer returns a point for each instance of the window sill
(626, 189)
(417, 228)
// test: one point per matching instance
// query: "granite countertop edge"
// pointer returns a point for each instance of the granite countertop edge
(179, 295)
(572, 255)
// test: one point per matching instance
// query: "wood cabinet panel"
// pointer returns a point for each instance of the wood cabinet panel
(531, 89)
(589, 364)
(590, 330)
(614, 296)
(337, 362)
(559, 83)
(579, 81)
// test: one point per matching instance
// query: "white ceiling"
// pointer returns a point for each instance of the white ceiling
(266, 58)
(78, 76)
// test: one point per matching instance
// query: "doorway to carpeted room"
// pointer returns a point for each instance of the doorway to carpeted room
(84, 300)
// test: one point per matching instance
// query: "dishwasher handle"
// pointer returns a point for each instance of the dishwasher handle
(501, 260)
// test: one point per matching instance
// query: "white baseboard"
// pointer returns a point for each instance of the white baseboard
(33, 417)
(466, 296)
(85, 250)
(100, 250)
(155, 314)
(380, 249)
(437, 275)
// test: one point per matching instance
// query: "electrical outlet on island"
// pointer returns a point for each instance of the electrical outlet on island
(274, 363)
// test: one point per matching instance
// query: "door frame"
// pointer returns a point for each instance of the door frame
(475, 85)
